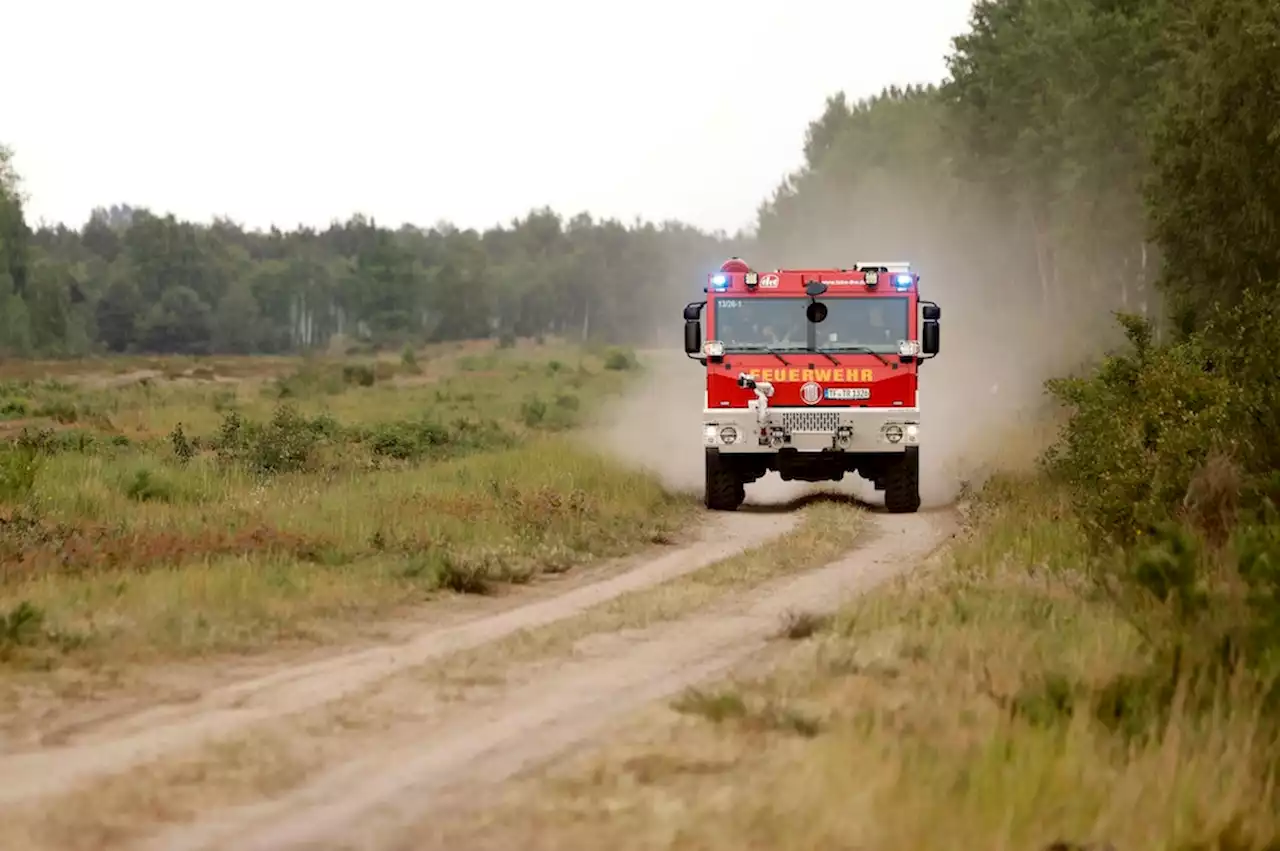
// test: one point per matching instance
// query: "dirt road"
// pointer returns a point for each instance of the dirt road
(347, 751)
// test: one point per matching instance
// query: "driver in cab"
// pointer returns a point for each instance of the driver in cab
(791, 335)
(876, 330)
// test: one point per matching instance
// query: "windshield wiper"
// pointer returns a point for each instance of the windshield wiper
(773, 352)
(865, 350)
(828, 355)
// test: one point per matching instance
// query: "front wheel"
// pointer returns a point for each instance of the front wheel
(902, 483)
(724, 489)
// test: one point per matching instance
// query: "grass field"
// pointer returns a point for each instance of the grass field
(161, 508)
(992, 700)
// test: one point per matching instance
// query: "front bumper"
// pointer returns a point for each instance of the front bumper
(852, 430)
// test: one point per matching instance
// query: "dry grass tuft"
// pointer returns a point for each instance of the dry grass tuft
(797, 626)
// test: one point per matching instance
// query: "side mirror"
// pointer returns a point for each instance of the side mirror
(930, 332)
(693, 312)
(931, 313)
(692, 336)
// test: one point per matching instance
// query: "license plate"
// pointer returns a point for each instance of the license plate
(847, 393)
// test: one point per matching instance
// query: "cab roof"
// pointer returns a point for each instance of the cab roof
(865, 277)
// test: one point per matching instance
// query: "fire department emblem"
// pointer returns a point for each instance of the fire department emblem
(810, 393)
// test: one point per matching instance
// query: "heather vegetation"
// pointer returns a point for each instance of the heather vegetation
(240, 503)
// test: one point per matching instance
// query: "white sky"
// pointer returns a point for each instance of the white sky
(476, 111)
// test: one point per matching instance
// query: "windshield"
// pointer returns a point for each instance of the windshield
(779, 323)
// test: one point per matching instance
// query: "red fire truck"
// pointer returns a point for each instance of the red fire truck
(812, 373)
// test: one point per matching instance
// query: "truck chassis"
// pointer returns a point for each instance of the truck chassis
(897, 474)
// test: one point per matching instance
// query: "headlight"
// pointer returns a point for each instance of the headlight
(709, 431)
(913, 431)
(728, 434)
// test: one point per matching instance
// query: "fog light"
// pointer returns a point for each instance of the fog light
(709, 431)
(729, 434)
(893, 433)
(913, 433)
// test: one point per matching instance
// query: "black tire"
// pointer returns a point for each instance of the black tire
(724, 490)
(902, 483)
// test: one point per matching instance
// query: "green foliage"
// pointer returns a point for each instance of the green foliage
(13, 409)
(286, 444)
(414, 440)
(1141, 426)
(559, 415)
(621, 360)
(183, 447)
(533, 412)
(409, 361)
(1169, 455)
(359, 374)
(1214, 191)
(21, 626)
(145, 485)
(19, 466)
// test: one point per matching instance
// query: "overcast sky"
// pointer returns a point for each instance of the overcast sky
(476, 111)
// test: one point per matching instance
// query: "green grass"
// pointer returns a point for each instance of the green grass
(173, 516)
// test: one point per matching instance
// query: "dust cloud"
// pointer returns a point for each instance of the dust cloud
(983, 404)
(656, 426)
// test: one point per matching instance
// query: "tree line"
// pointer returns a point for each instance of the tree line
(132, 280)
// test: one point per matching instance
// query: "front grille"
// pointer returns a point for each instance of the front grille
(810, 421)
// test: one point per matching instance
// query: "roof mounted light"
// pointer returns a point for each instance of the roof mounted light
(720, 282)
(752, 279)
(872, 279)
(903, 282)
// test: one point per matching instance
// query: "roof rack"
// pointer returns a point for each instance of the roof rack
(888, 268)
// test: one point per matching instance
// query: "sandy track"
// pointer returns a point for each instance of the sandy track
(165, 730)
(367, 802)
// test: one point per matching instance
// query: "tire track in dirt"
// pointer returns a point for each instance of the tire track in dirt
(226, 711)
(366, 803)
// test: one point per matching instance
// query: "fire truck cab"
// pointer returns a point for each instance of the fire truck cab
(812, 373)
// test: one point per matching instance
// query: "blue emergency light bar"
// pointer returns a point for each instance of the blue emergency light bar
(902, 282)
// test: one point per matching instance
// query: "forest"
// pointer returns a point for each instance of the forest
(133, 280)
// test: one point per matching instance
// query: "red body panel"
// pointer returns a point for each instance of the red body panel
(889, 387)
(892, 385)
